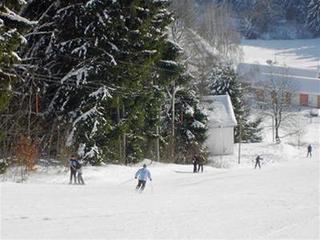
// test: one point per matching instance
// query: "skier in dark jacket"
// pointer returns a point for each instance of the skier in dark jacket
(73, 169)
(195, 163)
(309, 150)
(142, 174)
(258, 158)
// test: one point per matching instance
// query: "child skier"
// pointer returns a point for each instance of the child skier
(142, 174)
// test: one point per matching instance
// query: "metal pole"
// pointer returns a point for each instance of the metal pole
(240, 139)
(299, 132)
(272, 128)
(118, 121)
(173, 117)
(124, 140)
(158, 145)
(239, 152)
(175, 90)
(158, 135)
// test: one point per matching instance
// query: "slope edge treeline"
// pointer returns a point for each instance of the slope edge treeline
(101, 78)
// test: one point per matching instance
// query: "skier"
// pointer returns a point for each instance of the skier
(200, 163)
(309, 150)
(79, 171)
(258, 158)
(195, 163)
(142, 174)
(73, 169)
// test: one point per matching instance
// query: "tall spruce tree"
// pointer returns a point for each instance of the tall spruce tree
(12, 27)
(223, 80)
(259, 18)
(183, 123)
(191, 127)
(71, 53)
(99, 59)
(313, 16)
(147, 21)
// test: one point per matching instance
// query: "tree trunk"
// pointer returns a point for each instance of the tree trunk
(118, 121)
(124, 140)
(277, 130)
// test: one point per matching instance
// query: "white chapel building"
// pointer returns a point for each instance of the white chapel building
(221, 123)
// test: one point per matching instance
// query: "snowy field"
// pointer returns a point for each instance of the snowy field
(303, 53)
(278, 201)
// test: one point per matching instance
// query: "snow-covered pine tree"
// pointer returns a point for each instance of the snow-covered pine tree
(258, 17)
(191, 127)
(313, 16)
(183, 123)
(252, 130)
(90, 50)
(146, 22)
(73, 52)
(12, 27)
(294, 9)
(223, 80)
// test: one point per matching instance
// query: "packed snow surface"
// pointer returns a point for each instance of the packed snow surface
(303, 53)
(280, 200)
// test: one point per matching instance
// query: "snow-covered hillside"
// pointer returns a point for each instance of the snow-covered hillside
(303, 54)
(281, 200)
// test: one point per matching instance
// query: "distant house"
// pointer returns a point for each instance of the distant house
(221, 123)
(304, 82)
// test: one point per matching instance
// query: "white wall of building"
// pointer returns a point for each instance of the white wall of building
(313, 100)
(296, 99)
(220, 141)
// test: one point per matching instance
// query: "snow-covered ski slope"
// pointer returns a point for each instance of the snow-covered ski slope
(279, 201)
(299, 54)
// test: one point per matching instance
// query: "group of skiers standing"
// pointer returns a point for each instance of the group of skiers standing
(197, 162)
(75, 171)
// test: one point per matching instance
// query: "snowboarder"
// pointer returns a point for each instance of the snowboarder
(73, 170)
(195, 163)
(309, 150)
(142, 174)
(200, 163)
(79, 171)
(258, 158)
